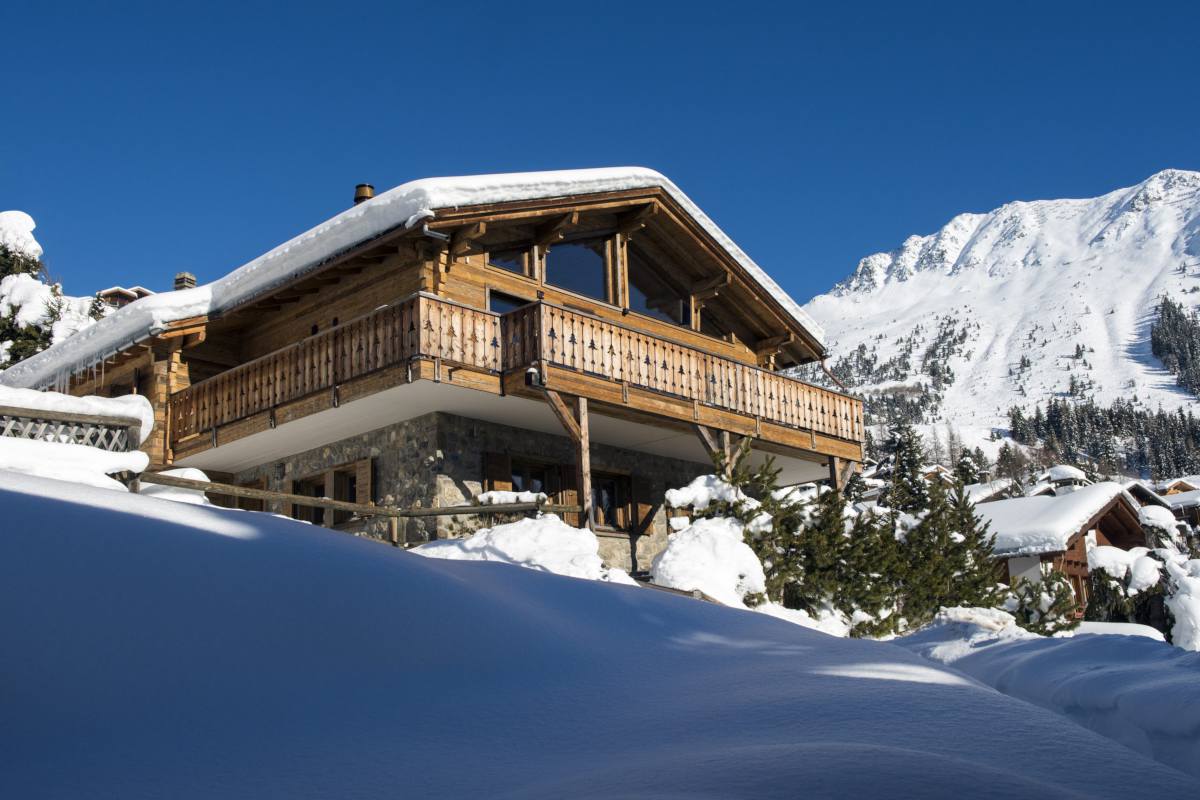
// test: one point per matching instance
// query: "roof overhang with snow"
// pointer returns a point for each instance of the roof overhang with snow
(405, 208)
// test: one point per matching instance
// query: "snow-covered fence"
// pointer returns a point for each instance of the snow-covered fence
(115, 434)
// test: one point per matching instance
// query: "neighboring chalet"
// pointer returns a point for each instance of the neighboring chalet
(118, 296)
(590, 334)
(1055, 530)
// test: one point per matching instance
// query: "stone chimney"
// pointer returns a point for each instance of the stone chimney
(363, 192)
(184, 280)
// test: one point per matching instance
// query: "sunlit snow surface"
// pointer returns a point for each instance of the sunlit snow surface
(157, 649)
(1032, 279)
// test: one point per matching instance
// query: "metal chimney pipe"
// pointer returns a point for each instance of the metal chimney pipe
(363, 192)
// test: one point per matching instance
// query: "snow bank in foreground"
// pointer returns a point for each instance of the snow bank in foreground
(130, 406)
(175, 494)
(76, 463)
(1142, 693)
(192, 652)
(543, 543)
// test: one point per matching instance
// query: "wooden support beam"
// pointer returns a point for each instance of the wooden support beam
(766, 347)
(560, 409)
(584, 465)
(462, 239)
(555, 230)
(708, 289)
(576, 425)
(636, 219)
(840, 470)
(708, 439)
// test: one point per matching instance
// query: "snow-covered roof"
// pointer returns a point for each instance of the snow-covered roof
(1145, 493)
(1063, 472)
(1183, 499)
(1046, 524)
(405, 206)
(980, 492)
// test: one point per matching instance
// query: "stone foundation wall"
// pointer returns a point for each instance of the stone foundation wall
(438, 460)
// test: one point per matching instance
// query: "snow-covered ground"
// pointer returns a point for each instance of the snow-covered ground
(1034, 280)
(1134, 689)
(156, 649)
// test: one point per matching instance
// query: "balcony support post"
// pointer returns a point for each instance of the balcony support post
(576, 425)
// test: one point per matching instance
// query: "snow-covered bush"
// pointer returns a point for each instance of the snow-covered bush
(543, 543)
(1159, 588)
(1044, 607)
(711, 556)
(195, 497)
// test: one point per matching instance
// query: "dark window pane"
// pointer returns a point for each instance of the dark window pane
(650, 294)
(577, 267)
(501, 303)
(511, 260)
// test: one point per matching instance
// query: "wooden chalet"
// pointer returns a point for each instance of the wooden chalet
(1047, 531)
(588, 334)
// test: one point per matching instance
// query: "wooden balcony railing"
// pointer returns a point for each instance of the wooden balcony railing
(425, 326)
(389, 336)
(560, 336)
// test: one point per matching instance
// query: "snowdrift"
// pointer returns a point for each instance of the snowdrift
(157, 649)
(1141, 692)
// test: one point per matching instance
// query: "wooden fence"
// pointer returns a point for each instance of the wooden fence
(115, 434)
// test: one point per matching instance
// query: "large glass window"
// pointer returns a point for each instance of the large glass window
(651, 294)
(512, 260)
(578, 267)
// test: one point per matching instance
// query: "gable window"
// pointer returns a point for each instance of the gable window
(578, 267)
(513, 260)
(501, 303)
(650, 293)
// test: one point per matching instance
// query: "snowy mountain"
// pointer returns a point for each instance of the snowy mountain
(1034, 300)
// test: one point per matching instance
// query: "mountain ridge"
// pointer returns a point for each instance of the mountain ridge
(1030, 301)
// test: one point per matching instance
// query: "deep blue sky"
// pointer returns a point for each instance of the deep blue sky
(145, 140)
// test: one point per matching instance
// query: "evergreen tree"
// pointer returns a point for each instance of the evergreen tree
(907, 489)
(1046, 606)
(968, 470)
(19, 342)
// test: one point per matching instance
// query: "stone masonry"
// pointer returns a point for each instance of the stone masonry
(437, 460)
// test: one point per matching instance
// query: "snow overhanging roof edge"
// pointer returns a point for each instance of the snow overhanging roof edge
(404, 206)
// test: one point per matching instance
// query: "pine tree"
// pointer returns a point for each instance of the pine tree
(907, 489)
(1046, 606)
(19, 342)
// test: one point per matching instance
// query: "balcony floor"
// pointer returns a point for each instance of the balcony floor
(408, 401)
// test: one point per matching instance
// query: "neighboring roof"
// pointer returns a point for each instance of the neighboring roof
(137, 290)
(1191, 481)
(1145, 493)
(983, 492)
(1183, 499)
(405, 206)
(1046, 524)
(1063, 472)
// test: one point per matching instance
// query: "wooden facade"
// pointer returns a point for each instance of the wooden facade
(614, 303)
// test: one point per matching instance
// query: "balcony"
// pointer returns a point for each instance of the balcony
(539, 346)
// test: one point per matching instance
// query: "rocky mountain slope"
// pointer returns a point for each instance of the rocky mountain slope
(1034, 300)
